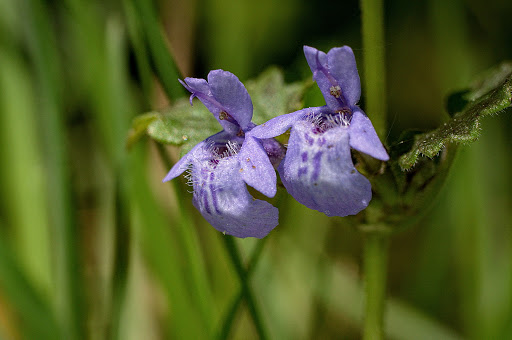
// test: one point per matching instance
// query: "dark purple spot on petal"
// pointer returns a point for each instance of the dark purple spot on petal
(316, 165)
(302, 171)
(304, 156)
(214, 199)
(205, 202)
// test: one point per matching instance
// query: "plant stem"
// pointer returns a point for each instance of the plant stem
(374, 63)
(232, 249)
(375, 257)
(375, 242)
(237, 301)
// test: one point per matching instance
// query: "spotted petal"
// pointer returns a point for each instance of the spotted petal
(364, 138)
(225, 97)
(317, 61)
(221, 195)
(336, 75)
(342, 65)
(318, 171)
(256, 169)
(232, 95)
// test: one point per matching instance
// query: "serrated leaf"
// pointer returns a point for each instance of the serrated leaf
(183, 124)
(139, 127)
(490, 80)
(489, 94)
(271, 97)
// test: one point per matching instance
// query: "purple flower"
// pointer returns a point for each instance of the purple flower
(222, 165)
(318, 170)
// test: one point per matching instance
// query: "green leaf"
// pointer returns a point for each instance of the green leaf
(183, 124)
(186, 125)
(401, 198)
(489, 94)
(271, 97)
(139, 127)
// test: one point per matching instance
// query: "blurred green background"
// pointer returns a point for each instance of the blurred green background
(94, 246)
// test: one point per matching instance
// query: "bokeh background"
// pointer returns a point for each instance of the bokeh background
(94, 246)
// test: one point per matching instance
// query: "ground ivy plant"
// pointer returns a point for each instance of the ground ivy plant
(419, 160)
(328, 158)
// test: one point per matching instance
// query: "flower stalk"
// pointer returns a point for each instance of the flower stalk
(375, 258)
(375, 247)
(374, 63)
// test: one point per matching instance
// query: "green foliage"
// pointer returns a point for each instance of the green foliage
(186, 125)
(489, 94)
(139, 127)
(271, 97)
(407, 186)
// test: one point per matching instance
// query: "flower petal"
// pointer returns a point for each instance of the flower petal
(336, 75)
(256, 168)
(278, 125)
(185, 161)
(202, 90)
(363, 137)
(318, 171)
(232, 95)
(200, 151)
(195, 86)
(275, 151)
(317, 61)
(342, 65)
(221, 195)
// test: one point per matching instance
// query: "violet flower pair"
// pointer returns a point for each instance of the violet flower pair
(316, 168)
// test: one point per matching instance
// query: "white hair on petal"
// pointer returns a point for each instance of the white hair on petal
(232, 148)
(211, 154)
